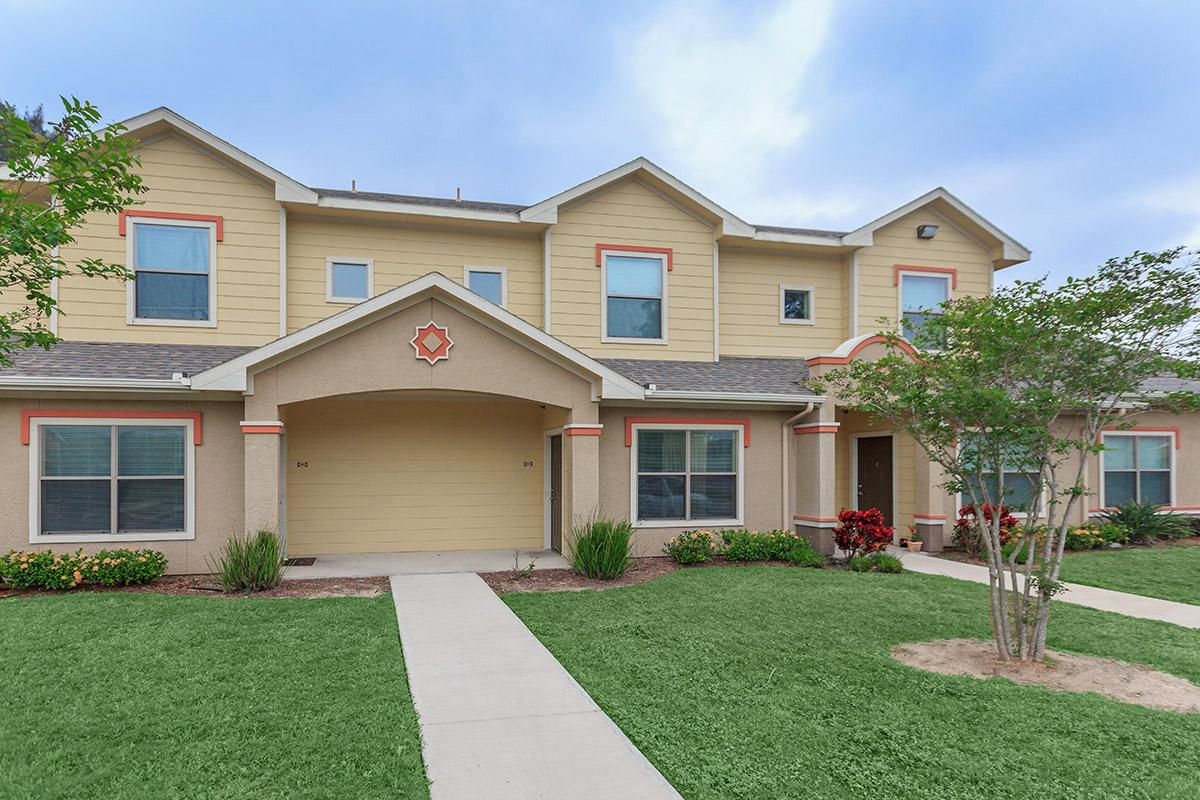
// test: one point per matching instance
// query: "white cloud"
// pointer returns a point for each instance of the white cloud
(1180, 200)
(728, 91)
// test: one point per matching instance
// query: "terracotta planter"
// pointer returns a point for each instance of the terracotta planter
(914, 547)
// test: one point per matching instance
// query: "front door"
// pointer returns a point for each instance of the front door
(875, 475)
(556, 493)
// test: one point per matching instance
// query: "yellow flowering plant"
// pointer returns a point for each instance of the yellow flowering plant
(48, 570)
(691, 547)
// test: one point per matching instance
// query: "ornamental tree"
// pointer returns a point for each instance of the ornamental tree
(51, 181)
(1022, 383)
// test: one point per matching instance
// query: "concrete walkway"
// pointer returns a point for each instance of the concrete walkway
(372, 565)
(1131, 605)
(499, 716)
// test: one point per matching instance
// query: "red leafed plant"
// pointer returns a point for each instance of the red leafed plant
(966, 527)
(861, 532)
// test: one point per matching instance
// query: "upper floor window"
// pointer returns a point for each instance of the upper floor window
(1137, 469)
(490, 283)
(348, 280)
(174, 262)
(796, 305)
(635, 298)
(920, 297)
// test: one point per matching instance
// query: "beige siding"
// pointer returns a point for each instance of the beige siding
(631, 214)
(401, 254)
(373, 476)
(897, 243)
(184, 180)
(749, 300)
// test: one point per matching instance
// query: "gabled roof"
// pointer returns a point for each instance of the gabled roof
(237, 374)
(547, 210)
(286, 189)
(956, 211)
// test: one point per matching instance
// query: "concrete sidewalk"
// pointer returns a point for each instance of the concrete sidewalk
(499, 716)
(1131, 605)
(370, 565)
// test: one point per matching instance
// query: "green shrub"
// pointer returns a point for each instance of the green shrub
(804, 555)
(1144, 522)
(600, 547)
(1085, 537)
(250, 563)
(691, 547)
(756, 546)
(48, 570)
(875, 562)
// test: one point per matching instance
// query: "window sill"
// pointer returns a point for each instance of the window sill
(92, 538)
(797, 322)
(346, 301)
(174, 323)
(688, 523)
(630, 340)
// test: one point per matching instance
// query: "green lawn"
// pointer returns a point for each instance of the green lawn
(776, 682)
(149, 696)
(1170, 573)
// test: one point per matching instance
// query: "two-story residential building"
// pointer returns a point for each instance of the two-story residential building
(368, 372)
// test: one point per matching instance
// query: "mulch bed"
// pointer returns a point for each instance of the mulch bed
(640, 570)
(205, 586)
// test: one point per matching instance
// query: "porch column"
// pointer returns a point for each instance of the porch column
(929, 516)
(815, 447)
(581, 475)
(263, 453)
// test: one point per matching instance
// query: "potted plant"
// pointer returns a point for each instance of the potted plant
(914, 542)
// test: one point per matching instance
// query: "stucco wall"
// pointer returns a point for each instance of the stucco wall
(763, 480)
(218, 477)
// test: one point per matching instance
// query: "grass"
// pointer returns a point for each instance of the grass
(1169, 573)
(151, 696)
(774, 682)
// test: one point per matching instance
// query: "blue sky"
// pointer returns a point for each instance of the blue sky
(1072, 125)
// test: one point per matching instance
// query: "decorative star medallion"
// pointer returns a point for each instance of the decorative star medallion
(432, 342)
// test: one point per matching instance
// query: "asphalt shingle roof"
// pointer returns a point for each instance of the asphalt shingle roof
(730, 374)
(114, 360)
(441, 202)
(1170, 384)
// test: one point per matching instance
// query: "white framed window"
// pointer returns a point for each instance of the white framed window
(796, 305)
(1137, 467)
(490, 283)
(920, 295)
(348, 280)
(633, 309)
(683, 474)
(1020, 485)
(111, 480)
(175, 266)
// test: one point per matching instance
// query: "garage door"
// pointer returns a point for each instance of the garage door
(388, 476)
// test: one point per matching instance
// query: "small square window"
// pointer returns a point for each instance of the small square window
(348, 280)
(490, 283)
(796, 305)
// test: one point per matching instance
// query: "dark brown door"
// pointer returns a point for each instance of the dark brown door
(875, 474)
(556, 493)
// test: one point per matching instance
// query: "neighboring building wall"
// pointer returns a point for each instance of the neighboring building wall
(897, 243)
(631, 214)
(749, 299)
(400, 254)
(218, 478)
(182, 179)
(763, 481)
(378, 476)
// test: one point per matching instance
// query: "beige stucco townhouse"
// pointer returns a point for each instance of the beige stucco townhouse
(368, 372)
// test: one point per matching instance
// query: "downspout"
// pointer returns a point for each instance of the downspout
(783, 469)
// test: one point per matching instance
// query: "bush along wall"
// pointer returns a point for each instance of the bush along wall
(49, 570)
